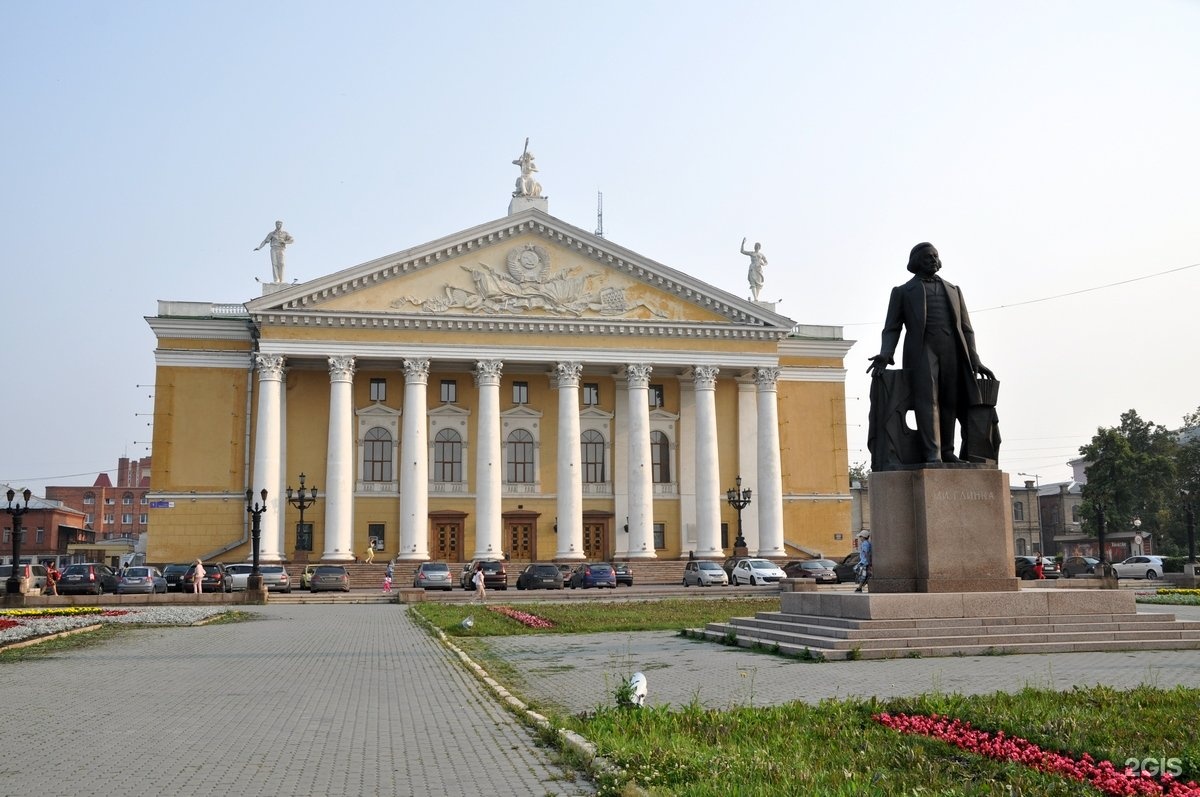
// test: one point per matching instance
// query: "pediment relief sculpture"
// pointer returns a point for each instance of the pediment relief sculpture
(529, 285)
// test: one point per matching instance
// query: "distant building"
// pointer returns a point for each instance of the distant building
(1026, 524)
(112, 511)
(49, 530)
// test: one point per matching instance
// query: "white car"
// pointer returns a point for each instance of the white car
(1139, 567)
(238, 574)
(704, 573)
(756, 571)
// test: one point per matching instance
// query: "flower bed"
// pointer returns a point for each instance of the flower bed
(999, 746)
(524, 618)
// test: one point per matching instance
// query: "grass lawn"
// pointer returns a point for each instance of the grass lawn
(843, 747)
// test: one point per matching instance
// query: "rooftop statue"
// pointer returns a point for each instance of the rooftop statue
(757, 261)
(278, 238)
(526, 184)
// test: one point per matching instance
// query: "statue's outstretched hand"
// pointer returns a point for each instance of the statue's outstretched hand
(985, 372)
(879, 364)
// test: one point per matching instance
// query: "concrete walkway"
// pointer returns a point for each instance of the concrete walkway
(306, 700)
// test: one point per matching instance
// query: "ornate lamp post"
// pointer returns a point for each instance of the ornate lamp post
(254, 582)
(739, 499)
(302, 501)
(1137, 534)
(13, 585)
(1190, 512)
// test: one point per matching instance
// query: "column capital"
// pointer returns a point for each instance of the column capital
(417, 371)
(487, 372)
(270, 367)
(704, 377)
(566, 374)
(765, 378)
(341, 368)
(638, 374)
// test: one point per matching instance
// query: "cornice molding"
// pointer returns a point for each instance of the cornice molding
(791, 373)
(196, 358)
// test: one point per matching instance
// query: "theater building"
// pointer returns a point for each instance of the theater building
(521, 388)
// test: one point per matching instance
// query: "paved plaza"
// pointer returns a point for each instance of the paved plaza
(357, 700)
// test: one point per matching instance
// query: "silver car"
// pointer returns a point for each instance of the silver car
(238, 576)
(141, 579)
(275, 578)
(704, 573)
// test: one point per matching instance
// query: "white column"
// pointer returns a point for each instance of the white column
(414, 463)
(770, 476)
(569, 477)
(708, 472)
(686, 478)
(339, 463)
(268, 455)
(641, 480)
(489, 460)
(747, 457)
(620, 474)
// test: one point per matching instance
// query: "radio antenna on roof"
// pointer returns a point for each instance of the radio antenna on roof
(600, 214)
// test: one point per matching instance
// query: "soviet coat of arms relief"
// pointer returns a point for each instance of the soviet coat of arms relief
(528, 284)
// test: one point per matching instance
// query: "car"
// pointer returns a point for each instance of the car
(174, 574)
(87, 578)
(845, 569)
(1025, 567)
(239, 574)
(275, 578)
(215, 578)
(141, 579)
(566, 568)
(34, 576)
(593, 574)
(1139, 567)
(731, 563)
(329, 577)
(1079, 565)
(540, 575)
(624, 573)
(756, 571)
(495, 574)
(433, 575)
(306, 576)
(819, 570)
(704, 573)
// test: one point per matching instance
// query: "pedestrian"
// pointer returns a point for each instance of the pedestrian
(862, 570)
(52, 577)
(369, 557)
(387, 578)
(1039, 567)
(198, 578)
(477, 580)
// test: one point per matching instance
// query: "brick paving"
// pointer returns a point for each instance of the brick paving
(304, 700)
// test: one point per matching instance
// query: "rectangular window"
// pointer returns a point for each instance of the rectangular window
(375, 536)
(7, 535)
(520, 392)
(724, 535)
(127, 500)
(656, 395)
(87, 520)
(378, 390)
(89, 499)
(1019, 511)
(110, 502)
(108, 518)
(143, 518)
(660, 536)
(449, 391)
(591, 394)
(127, 518)
(145, 501)
(41, 536)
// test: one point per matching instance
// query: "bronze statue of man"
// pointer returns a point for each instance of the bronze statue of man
(939, 353)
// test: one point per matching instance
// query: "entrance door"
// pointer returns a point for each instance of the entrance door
(520, 540)
(595, 544)
(447, 540)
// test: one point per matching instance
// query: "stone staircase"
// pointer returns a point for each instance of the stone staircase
(849, 631)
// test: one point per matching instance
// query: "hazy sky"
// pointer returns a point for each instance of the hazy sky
(1050, 149)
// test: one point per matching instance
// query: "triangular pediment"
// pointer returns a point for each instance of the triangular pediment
(525, 266)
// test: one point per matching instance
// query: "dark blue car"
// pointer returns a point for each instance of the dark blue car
(594, 574)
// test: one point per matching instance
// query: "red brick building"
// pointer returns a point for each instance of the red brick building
(48, 528)
(111, 510)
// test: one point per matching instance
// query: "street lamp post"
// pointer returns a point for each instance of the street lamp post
(739, 499)
(13, 585)
(254, 582)
(1137, 534)
(1100, 537)
(1190, 512)
(302, 501)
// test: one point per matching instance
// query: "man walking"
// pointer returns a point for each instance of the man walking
(862, 570)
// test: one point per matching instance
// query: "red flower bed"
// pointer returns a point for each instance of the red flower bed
(5, 623)
(1001, 747)
(524, 618)
(114, 612)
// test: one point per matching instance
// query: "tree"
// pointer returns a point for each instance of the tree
(859, 471)
(1132, 475)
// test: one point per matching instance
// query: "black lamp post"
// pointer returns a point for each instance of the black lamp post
(739, 499)
(1100, 537)
(13, 585)
(1190, 512)
(302, 501)
(255, 581)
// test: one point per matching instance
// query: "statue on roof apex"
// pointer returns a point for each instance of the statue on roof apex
(757, 261)
(526, 184)
(278, 238)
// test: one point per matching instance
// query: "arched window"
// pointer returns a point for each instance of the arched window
(377, 455)
(660, 457)
(592, 444)
(1075, 514)
(447, 456)
(1018, 510)
(519, 457)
